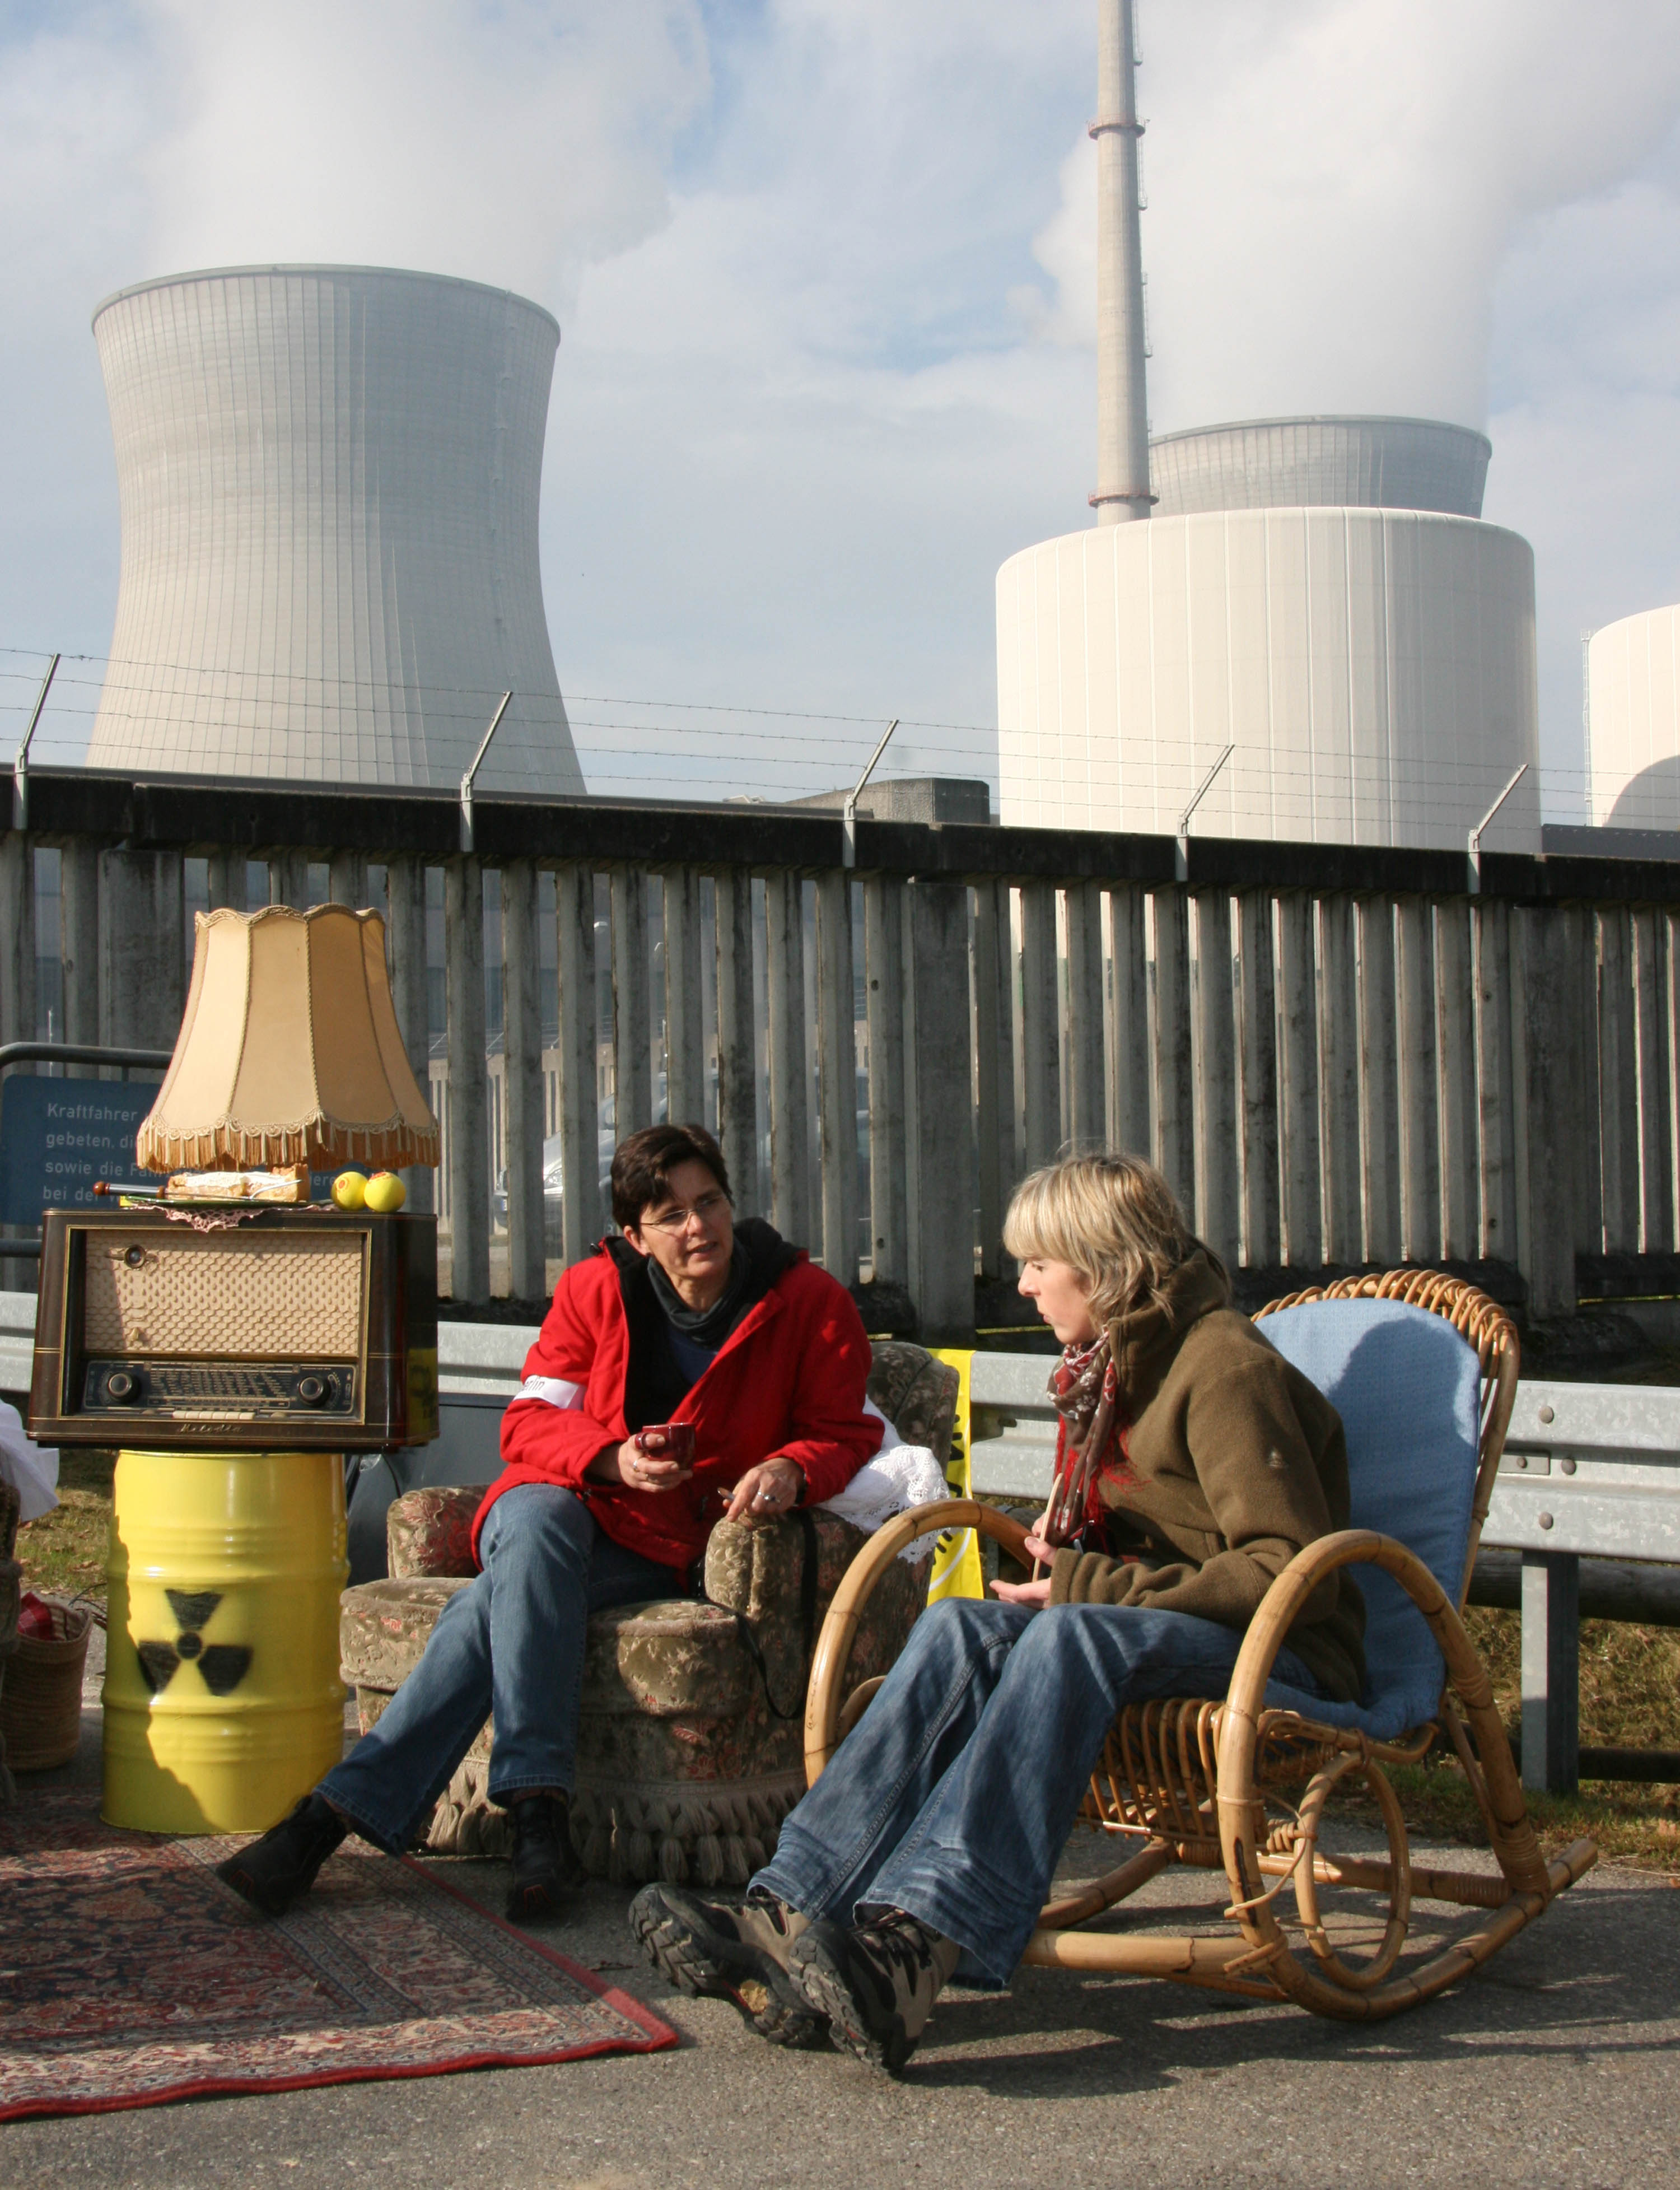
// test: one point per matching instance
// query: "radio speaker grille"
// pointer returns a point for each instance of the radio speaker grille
(276, 1295)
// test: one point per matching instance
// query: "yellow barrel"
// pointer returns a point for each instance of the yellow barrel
(222, 1702)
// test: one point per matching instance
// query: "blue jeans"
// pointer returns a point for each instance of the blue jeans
(509, 1645)
(953, 1796)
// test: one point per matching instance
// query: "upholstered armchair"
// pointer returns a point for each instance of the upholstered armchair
(690, 1750)
(11, 1592)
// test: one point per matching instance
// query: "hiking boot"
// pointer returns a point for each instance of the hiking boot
(729, 1952)
(876, 1983)
(546, 1866)
(280, 1869)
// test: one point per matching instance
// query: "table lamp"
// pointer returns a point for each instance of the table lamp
(236, 1352)
(288, 1051)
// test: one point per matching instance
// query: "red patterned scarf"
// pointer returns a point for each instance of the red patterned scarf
(1091, 1442)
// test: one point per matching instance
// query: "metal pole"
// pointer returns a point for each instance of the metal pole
(20, 765)
(1476, 833)
(467, 780)
(1183, 859)
(849, 818)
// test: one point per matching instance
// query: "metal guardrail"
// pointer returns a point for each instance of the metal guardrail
(1591, 1473)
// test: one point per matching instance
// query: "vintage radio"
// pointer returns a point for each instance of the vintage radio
(305, 1328)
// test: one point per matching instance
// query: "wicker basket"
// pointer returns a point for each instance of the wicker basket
(41, 1694)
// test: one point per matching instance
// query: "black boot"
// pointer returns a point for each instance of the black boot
(280, 1868)
(546, 1867)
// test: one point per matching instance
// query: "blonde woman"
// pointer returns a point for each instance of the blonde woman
(1193, 1463)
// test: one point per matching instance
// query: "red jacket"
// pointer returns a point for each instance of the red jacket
(789, 1379)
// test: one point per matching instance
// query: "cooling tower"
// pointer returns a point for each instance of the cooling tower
(1373, 669)
(1633, 722)
(329, 478)
(1368, 464)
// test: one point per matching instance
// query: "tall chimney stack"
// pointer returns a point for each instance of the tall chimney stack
(1122, 407)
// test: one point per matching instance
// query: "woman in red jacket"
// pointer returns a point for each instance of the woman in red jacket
(688, 1319)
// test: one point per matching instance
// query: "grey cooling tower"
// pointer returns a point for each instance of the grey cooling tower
(329, 480)
(1344, 464)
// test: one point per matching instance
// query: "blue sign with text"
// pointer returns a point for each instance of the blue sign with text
(56, 1136)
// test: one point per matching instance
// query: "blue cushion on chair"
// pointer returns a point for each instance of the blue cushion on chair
(1407, 1390)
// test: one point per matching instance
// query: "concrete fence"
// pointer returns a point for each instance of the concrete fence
(1338, 1057)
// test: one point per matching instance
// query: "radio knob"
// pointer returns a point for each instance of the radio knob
(122, 1386)
(312, 1390)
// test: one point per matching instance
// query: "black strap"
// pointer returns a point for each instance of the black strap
(807, 1620)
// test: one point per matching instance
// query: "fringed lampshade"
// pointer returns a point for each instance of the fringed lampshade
(289, 1051)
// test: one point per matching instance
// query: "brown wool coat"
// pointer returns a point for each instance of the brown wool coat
(1239, 1462)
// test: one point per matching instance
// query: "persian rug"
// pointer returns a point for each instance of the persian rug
(131, 1975)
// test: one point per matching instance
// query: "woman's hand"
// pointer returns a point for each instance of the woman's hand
(1036, 1592)
(638, 1470)
(766, 1492)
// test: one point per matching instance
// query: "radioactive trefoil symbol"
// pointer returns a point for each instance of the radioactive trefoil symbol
(223, 1666)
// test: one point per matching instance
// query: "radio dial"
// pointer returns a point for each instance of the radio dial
(122, 1386)
(312, 1390)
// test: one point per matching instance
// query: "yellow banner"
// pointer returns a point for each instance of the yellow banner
(956, 1555)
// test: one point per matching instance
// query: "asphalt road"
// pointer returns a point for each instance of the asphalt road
(1559, 2063)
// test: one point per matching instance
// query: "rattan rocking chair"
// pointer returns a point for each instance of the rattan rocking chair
(1244, 1783)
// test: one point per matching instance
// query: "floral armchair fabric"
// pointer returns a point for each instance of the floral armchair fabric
(690, 1750)
(11, 1595)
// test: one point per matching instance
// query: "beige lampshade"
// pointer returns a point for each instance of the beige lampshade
(289, 1051)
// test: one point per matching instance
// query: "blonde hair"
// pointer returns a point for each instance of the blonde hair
(1113, 1218)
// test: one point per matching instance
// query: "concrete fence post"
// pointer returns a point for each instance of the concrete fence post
(887, 1007)
(1082, 1029)
(1546, 1114)
(836, 1075)
(1171, 1104)
(1339, 1080)
(1128, 1022)
(790, 1103)
(737, 1037)
(1218, 1205)
(1379, 1082)
(1297, 1082)
(468, 1148)
(632, 1017)
(410, 995)
(1257, 1148)
(992, 967)
(685, 1035)
(1420, 1147)
(1650, 1044)
(142, 949)
(582, 1215)
(939, 1068)
(1618, 1081)
(1040, 1068)
(1455, 1079)
(522, 1064)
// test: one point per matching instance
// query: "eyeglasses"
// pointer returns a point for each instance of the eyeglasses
(708, 1206)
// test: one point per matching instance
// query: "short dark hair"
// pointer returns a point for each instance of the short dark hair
(642, 1165)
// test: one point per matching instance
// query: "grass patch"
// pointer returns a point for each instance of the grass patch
(1635, 1824)
(64, 1552)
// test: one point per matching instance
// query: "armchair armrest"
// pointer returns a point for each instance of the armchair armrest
(430, 1532)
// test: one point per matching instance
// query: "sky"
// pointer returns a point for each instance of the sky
(824, 274)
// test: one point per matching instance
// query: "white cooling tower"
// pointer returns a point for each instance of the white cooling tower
(1633, 722)
(1374, 669)
(329, 479)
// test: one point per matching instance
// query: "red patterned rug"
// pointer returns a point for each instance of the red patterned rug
(130, 1975)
